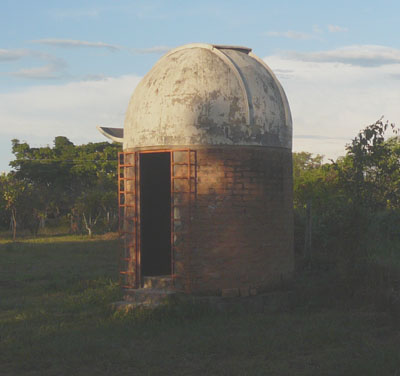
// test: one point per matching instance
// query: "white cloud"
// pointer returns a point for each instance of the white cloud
(152, 50)
(337, 29)
(290, 34)
(45, 72)
(72, 43)
(75, 13)
(332, 101)
(358, 55)
(317, 29)
(15, 54)
(95, 77)
(54, 67)
(40, 113)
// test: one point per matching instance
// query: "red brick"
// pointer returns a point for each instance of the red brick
(241, 231)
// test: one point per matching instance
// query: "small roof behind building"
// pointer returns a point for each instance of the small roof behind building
(115, 134)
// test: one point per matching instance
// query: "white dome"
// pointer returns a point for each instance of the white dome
(202, 94)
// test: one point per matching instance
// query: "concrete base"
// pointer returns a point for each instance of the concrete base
(146, 298)
(158, 291)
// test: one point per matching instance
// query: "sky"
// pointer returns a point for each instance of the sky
(68, 66)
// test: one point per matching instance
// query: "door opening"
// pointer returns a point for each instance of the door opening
(155, 213)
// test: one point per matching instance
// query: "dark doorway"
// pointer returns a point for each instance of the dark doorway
(155, 213)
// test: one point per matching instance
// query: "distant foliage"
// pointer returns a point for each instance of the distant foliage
(352, 201)
(338, 205)
(66, 182)
(370, 171)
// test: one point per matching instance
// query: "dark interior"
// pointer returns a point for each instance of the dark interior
(155, 213)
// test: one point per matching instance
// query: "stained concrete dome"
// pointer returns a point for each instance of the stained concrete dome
(203, 94)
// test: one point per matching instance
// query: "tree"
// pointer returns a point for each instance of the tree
(89, 207)
(12, 193)
(316, 198)
(67, 174)
(370, 171)
(313, 180)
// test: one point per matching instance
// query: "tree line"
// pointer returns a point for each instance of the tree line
(74, 185)
(344, 208)
(336, 203)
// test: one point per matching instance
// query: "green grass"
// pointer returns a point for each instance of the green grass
(55, 319)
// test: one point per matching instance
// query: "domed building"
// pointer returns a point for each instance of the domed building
(205, 176)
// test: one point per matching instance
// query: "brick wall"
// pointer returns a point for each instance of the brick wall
(238, 233)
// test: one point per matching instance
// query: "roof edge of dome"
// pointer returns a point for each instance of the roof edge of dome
(288, 116)
(209, 46)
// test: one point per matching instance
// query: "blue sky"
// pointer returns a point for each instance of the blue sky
(67, 66)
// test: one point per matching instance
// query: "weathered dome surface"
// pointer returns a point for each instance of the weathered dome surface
(202, 94)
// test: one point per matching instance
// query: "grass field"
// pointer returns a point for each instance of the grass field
(55, 319)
